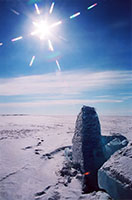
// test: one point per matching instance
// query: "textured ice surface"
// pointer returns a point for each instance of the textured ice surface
(115, 176)
(87, 149)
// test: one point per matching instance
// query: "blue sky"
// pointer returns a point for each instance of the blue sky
(93, 50)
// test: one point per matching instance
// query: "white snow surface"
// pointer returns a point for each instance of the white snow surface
(116, 124)
(25, 174)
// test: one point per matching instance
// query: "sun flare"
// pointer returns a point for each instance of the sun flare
(42, 29)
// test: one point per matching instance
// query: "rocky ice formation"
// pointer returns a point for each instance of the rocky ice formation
(115, 176)
(87, 150)
(90, 150)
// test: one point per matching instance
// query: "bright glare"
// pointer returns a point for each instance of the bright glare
(42, 29)
(50, 45)
(37, 9)
(18, 38)
(56, 24)
(58, 65)
(51, 8)
(32, 60)
(75, 15)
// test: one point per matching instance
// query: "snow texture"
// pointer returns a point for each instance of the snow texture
(32, 155)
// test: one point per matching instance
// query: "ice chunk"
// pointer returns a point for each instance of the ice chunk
(115, 176)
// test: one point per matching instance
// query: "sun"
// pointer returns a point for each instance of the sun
(42, 29)
(45, 30)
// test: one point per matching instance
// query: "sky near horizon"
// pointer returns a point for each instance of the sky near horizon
(93, 50)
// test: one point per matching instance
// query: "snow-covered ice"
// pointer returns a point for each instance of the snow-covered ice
(115, 176)
(28, 167)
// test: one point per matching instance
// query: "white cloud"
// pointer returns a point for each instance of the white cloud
(127, 97)
(64, 83)
(58, 102)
